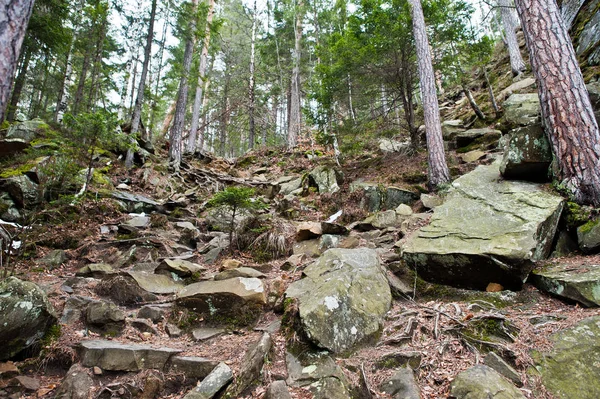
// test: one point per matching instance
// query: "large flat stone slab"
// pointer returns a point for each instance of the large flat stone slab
(343, 298)
(580, 283)
(115, 356)
(487, 231)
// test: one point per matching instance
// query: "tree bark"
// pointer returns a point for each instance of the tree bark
(61, 103)
(252, 83)
(295, 119)
(191, 147)
(18, 89)
(13, 24)
(566, 108)
(438, 170)
(510, 24)
(175, 138)
(473, 103)
(137, 110)
(491, 92)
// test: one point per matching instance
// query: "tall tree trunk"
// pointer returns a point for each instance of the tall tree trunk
(137, 110)
(161, 52)
(97, 65)
(203, 120)
(81, 84)
(191, 146)
(168, 119)
(63, 92)
(18, 89)
(252, 84)
(566, 108)
(13, 24)
(295, 118)
(510, 24)
(175, 138)
(350, 100)
(438, 170)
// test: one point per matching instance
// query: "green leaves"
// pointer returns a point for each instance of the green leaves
(236, 198)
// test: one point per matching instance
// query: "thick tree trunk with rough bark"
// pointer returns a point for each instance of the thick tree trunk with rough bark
(191, 147)
(510, 24)
(295, 118)
(175, 139)
(438, 170)
(566, 109)
(13, 24)
(137, 109)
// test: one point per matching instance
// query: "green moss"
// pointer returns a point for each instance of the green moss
(18, 171)
(588, 226)
(52, 334)
(101, 180)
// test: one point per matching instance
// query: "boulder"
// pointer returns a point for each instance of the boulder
(318, 372)
(517, 86)
(12, 146)
(219, 218)
(23, 191)
(402, 385)
(77, 384)
(124, 290)
(482, 382)
(472, 156)
(115, 356)
(96, 270)
(588, 236)
(26, 131)
(25, 316)
(497, 363)
(395, 196)
(527, 155)
(487, 230)
(379, 220)
(308, 230)
(570, 369)
(138, 222)
(587, 41)
(136, 202)
(325, 178)
(156, 283)
(291, 186)
(391, 146)
(238, 300)
(251, 367)
(181, 267)
(53, 259)
(466, 138)
(343, 298)
(431, 201)
(373, 196)
(155, 313)
(277, 390)
(106, 316)
(192, 366)
(8, 209)
(451, 128)
(580, 284)
(522, 109)
(202, 334)
(218, 379)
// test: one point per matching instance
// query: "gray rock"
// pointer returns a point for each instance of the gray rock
(77, 384)
(451, 128)
(400, 359)
(308, 230)
(143, 325)
(528, 154)
(569, 10)
(565, 245)
(105, 315)
(24, 192)
(343, 298)
(251, 366)
(173, 330)
(219, 218)
(395, 196)
(472, 156)
(156, 283)
(466, 138)
(402, 385)
(211, 256)
(25, 316)
(140, 222)
(54, 258)
(26, 131)
(238, 299)
(96, 270)
(277, 390)
(325, 178)
(403, 210)
(482, 382)
(212, 384)
(75, 306)
(8, 208)
(309, 367)
(115, 356)
(487, 231)
(136, 202)
(309, 248)
(246, 272)
(202, 334)
(588, 236)
(290, 186)
(373, 196)
(580, 284)
(155, 313)
(181, 267)
(497, 363)
(379, 220)
(588, 39)
(522, 109)
(124, 290)
(192, 366)
(570, 369)
(431, 201)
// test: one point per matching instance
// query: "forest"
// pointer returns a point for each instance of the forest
(300, 199)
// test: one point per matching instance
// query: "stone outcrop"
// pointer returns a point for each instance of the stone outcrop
(487, 231)
(482, 382)
(580, 284)
(527, 155)
(343, 298)
(25, 316)
(114, 356)
(522, 109)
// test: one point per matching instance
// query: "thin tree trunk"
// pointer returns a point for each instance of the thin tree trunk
(566, 108)
(13, 24)
(161, 52)
(168, 119)
(438, 170)
(491, 92)
(510, 24)
(63, 92)
(473, 103)
(97, 65)
(295, 118)
(182, 96)
(350, 100)
(252, 84)
(81, 84)
(137, 110)
(18, 89)
(203, 121)
(191, 145)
